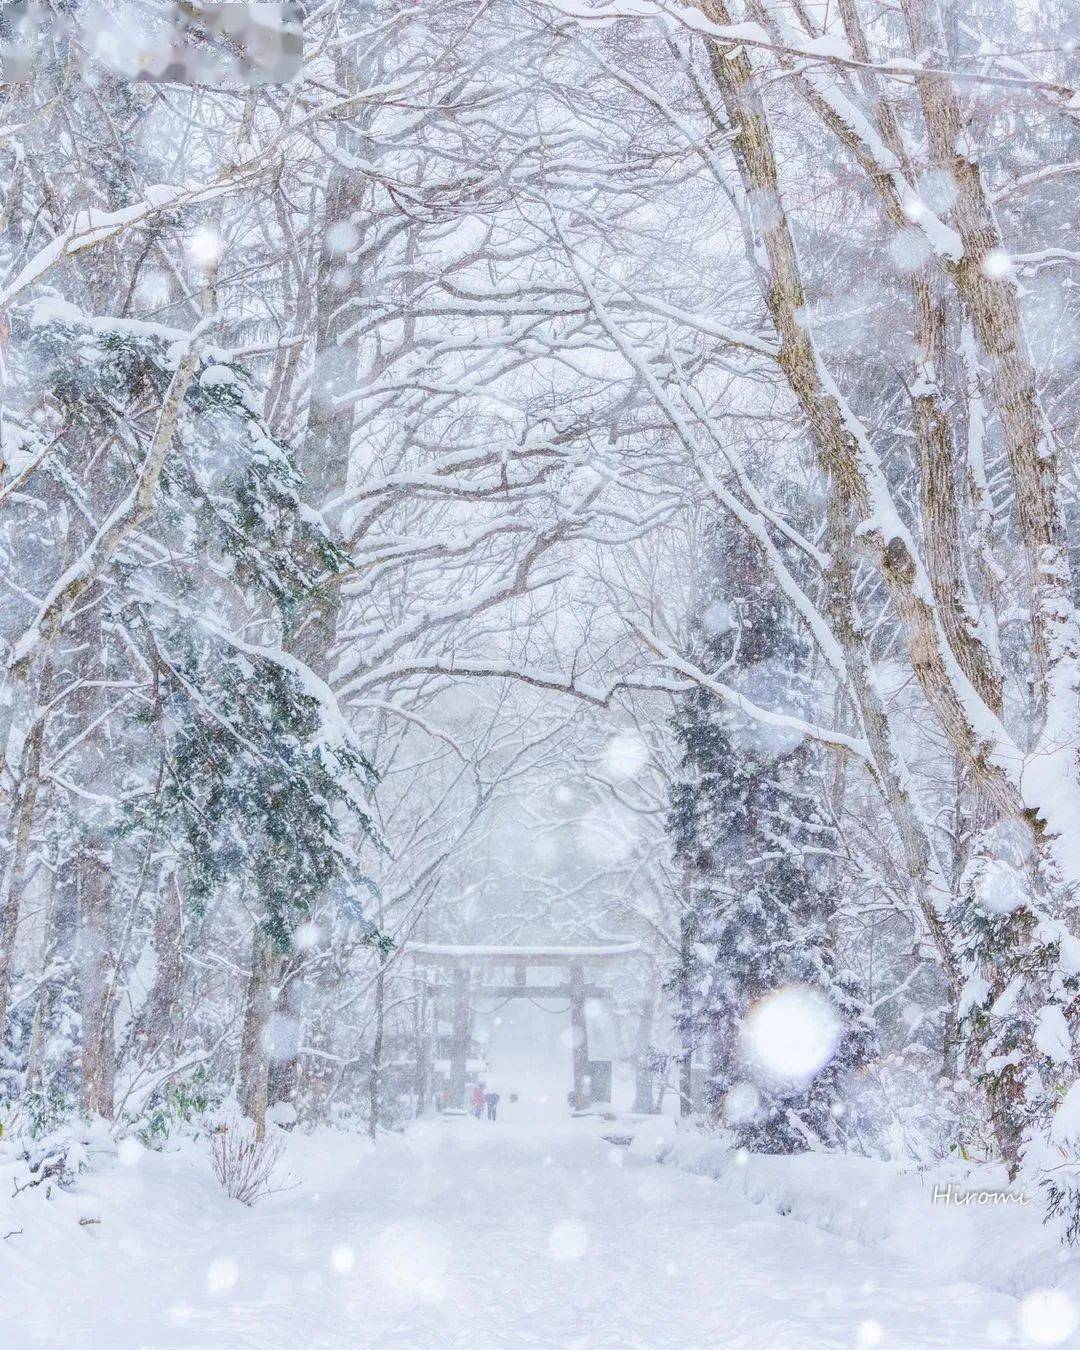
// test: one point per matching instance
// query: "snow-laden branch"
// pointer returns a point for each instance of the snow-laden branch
(598, 695)
(89, 228)
(855, 746)
(828, 49)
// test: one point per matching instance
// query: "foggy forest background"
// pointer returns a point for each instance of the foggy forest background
(553, 472)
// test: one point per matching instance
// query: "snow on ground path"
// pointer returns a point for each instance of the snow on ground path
(465, 1236)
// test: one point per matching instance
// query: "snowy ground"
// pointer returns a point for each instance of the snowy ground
(462, 1236)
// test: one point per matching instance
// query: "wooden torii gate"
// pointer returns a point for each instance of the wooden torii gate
(513, 964)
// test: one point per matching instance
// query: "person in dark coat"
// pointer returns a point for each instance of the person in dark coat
(492, 1099)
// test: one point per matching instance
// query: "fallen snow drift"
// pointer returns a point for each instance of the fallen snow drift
(460, 1235)
(889, 1205)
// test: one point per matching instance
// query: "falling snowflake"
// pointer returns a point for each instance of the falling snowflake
(997, 263)
(791, 1034)
(625, 756)
(1048, 1317)
(342, 1259)
(412, 1261)
(741, 1104)
(222, 1275)
(204, 247)
(569, 1241)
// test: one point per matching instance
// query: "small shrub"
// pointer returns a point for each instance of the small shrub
(243, 1164)
(46, 1109)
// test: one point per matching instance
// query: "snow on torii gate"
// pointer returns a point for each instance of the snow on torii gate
(462, 960)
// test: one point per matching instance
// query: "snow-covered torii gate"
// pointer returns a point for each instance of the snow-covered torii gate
(513, 963)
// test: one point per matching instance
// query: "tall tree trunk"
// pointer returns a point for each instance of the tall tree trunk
(930, 893)
(375, 1074)
(459, 1040)
(284, 1072)
(46, 993)
(155, 1024)
(685, 1000)
(324, 462)
(97, 972)
(423, 1049)
(992, 300)
(938, 478)
(644, 1074)
(21, 826)
(1045, 799)
(844, 449)
(254, 1047)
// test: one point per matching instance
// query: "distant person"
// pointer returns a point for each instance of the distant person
(478, 1100)
(492, 1099)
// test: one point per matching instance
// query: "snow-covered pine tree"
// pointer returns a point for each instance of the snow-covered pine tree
(753, 837)
(232, 770)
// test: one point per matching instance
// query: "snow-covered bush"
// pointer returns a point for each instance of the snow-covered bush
(178, 1105)
(902, 1107)
(243, 1163)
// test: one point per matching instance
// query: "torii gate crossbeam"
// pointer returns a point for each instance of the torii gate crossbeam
(461, 960)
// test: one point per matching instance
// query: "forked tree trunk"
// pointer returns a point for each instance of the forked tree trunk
(991, 297)
(842, 446)
(860, 502)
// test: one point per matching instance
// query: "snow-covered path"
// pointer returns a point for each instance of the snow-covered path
(465, 1236)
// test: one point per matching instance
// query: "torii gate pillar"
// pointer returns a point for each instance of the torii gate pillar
(580, 1033)
(459, 1040)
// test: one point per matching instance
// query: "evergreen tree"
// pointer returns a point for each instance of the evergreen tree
(232, 766)
(753, 841)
